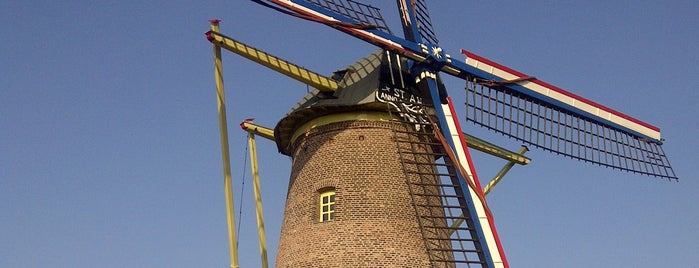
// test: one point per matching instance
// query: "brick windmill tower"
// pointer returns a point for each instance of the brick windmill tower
(365, 185)
(381, 176)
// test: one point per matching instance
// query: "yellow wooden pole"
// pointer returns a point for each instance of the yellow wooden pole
(494, 150)
(261, 131)
(227, 184)
(277, 64)
(502, 172)
(258, 198)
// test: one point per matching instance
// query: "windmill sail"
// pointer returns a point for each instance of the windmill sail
(416, 18)
(555, 120)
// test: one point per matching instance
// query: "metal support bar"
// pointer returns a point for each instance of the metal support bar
(277, 64)
(227, 184)
(502, 172)
(258, 198)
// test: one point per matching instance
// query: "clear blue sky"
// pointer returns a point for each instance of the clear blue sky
(109, 147)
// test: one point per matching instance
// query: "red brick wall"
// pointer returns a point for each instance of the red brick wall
(375, 223)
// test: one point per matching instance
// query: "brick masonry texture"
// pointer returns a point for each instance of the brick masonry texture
(375, 223)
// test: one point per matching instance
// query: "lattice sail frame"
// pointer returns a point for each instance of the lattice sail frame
(363, 13)
(422, 21)
(443, 212)
(545, 126)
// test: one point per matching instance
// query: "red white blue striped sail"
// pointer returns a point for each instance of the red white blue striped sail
(556, 120)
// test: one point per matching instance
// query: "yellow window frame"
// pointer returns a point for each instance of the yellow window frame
(326, 205)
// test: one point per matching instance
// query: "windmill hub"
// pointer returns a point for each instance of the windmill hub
(435, 58)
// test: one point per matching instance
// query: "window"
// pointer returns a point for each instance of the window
(327, 205)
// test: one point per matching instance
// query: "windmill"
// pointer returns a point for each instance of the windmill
(381, 175)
